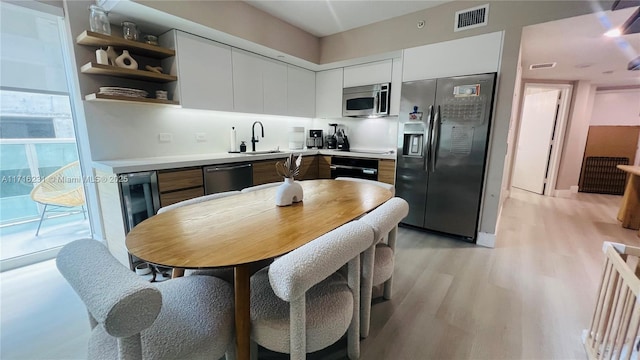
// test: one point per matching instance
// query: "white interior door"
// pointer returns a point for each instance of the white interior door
(534, 140)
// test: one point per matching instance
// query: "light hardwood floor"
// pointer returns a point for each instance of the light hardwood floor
(529, 298)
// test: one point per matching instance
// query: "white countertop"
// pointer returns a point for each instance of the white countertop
(122, 166)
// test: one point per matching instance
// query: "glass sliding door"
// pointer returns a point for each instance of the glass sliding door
(42, 203)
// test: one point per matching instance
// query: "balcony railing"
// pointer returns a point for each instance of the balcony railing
(23, 163)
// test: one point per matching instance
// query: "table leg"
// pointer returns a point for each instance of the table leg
(177, 272)
(242, 274)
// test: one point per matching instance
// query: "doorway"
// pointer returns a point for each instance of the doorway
(543, 120)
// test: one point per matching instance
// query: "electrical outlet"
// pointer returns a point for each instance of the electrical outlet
(201, 137)
(165, 137)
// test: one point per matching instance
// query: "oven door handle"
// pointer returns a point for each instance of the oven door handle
(369, 171)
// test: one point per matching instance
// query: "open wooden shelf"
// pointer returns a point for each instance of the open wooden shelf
(102, 97)
(136, 47)
(99, 69)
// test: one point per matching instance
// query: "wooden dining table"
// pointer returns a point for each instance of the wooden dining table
(629, 213)
(241, 230)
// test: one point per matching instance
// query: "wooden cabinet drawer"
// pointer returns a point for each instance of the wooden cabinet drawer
(177, 196)
(387, 171)
(265, 172)
(309, 168)
(324, 167)
(179, 179)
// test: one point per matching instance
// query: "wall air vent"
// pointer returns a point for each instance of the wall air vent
(471, 18)
(542, 66)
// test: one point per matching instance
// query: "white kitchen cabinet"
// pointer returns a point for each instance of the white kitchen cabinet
(396, 86)
(329, 84)
(274, 87)
(466, 56)
(368, 74)
(203, 68)
(301, 92)
(259, 84)
(248, 92)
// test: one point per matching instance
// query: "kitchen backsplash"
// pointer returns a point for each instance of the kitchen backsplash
(363, 133)
(133, 130)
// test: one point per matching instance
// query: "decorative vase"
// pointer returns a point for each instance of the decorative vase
(288, 193)
(111, 55)
(101, 57)
(126, 61)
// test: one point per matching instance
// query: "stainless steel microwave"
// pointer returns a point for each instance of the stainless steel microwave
(366, 101)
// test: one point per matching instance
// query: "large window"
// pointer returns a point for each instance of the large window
(37, 136)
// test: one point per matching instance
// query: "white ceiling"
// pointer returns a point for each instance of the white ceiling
(327, 17)
(581, 51)
(573, 43)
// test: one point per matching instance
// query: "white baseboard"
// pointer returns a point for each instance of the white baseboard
(563, 193)
(574, 189)
(486, 240)
(20, 261)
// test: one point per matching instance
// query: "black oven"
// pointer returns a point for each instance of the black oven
(354, 167)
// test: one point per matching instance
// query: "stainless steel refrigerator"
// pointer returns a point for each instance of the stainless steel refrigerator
(442, 145)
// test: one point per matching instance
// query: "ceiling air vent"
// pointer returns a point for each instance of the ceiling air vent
(471, 18)
(542, 66)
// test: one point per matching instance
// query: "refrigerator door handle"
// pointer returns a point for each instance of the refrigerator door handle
(435, 140)
(426, 148)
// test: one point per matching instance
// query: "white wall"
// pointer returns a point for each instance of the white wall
(365, 134)
(616, 107)
(576, 135)
(619, 107)
(131, 130)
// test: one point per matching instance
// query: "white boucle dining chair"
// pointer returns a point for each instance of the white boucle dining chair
(301, 304)
(261, 186)
(184, 318)
(378, 261)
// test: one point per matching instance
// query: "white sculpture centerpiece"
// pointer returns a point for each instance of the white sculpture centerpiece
(290, 191)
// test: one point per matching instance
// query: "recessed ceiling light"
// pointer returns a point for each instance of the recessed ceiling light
(613, 33)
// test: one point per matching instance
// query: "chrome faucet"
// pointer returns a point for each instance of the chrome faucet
(254, 139)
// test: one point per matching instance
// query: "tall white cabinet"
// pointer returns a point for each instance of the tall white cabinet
(329, 85)
(301, 92)
(204, 71)
(259, 84)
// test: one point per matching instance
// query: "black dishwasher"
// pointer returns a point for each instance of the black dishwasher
(227, 177)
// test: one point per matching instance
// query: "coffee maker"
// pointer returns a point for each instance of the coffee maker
(332, 142)
(315, 141)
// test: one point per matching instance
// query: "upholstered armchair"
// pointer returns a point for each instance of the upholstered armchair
(184, 318)
(378, 261)
(301, 303)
